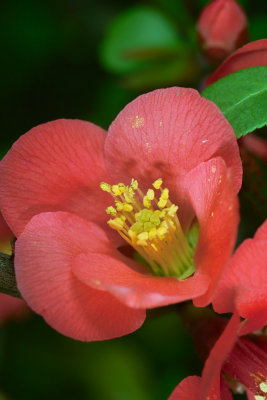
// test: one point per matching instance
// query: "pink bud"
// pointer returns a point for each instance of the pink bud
(222, 28)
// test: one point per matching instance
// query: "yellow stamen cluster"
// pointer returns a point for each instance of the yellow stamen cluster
(150, 224)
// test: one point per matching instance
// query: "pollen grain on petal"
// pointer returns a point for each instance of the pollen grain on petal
(137, 122)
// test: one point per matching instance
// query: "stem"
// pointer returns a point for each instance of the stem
(8, 283)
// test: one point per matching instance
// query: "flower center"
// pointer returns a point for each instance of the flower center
(149, 223)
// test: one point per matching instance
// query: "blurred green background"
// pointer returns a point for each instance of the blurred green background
(80, 59)
(38, 363)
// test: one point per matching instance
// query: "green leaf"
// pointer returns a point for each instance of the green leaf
(138, 36)
(242, 97)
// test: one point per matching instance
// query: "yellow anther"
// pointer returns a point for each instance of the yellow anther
(128, 198)
(111, 211)
(116, 223)
(119, 205)
(142, 236)
(144, 215)
(165, 194)
(152, 233)
(164, 225)
(161, 213)
(119, 189)
(127, 207)
(150, 194)
(163, 198)
(162, 203)
(146, 202)
(172, 210)
(157, 184)
(130, 191)
(122, 187)
(134, 184)
(105, 187)
(149, 223)
(161, 231)
(115, 190)
(132, 234)
(137, 227)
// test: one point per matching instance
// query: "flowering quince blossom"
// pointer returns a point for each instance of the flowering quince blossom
(164, 179)
(241, 358)
(222, 28)
(237, 361)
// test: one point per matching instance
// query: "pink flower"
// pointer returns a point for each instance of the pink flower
(238, 357)
(236, 361)
(222, 28)
(68, 262)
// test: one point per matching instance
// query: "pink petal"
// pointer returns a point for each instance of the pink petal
(250, 395)
(212, 370)
(244, 284)
(250, 55)
(45, 252)
(135, 289)
(56, 166)
(188, 389)
(211, 385)
(216, 207)
(254, 323)
(167, 133)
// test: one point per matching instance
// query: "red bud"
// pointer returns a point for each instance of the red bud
(222, 28)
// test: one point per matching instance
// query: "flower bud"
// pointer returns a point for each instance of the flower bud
(222, 28)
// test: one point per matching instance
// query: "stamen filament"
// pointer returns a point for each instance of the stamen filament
(151, 226)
